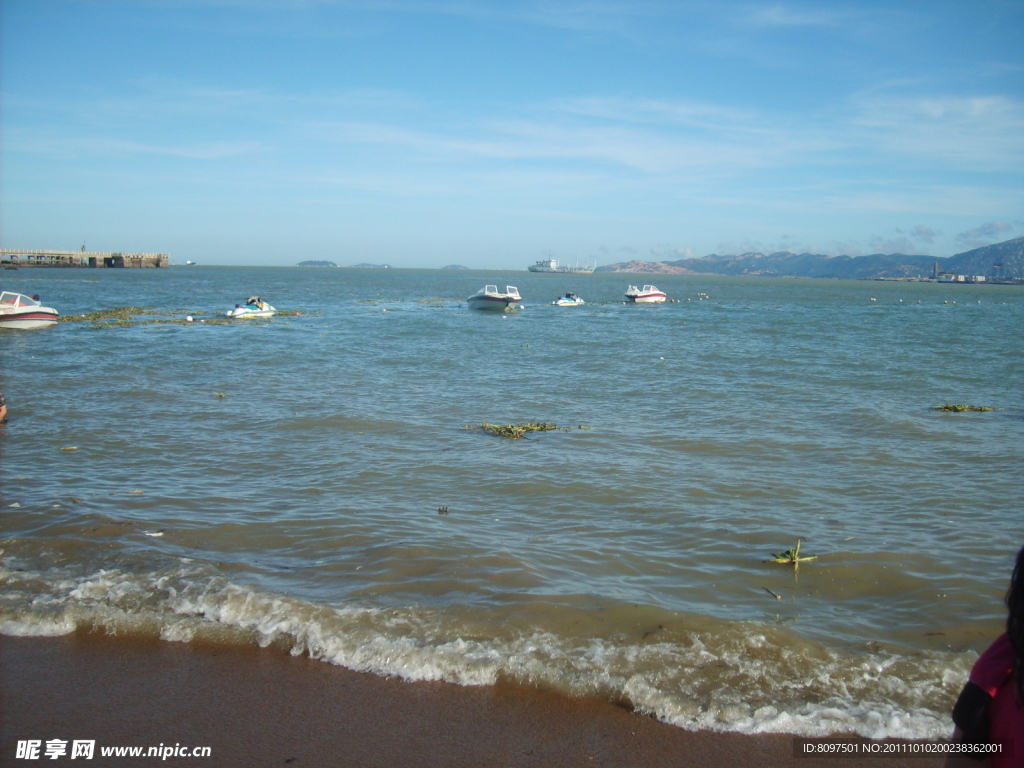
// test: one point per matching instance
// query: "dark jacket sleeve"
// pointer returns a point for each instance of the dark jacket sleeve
(970, 714)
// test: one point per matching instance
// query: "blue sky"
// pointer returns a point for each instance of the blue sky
(422, 133)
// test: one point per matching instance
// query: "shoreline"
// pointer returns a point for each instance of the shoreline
(262, 707)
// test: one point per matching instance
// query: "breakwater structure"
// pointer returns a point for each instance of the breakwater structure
(15, 257)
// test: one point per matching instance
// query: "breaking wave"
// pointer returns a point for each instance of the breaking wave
(742, 676)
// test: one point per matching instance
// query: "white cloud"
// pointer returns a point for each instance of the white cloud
(985, 234)
(923, 233)
(788, 16)
(973, 132)
(902, 245)
(671, 253)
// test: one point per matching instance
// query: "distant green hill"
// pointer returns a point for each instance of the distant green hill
(787, 264)
(1009, 256)
(317, 264)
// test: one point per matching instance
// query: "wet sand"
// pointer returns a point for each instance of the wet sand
(261, 707)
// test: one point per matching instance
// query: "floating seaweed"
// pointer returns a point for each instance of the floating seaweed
(128, 317)
(960, 408)
(122, 314)
(792, 556)
(515, 431)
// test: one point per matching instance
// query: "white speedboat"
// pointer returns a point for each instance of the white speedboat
(20, 311)
(649, 294)
(490, 299)
(254, 307)
(569, 300)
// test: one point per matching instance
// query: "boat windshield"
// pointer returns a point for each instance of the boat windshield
(511, 290)
(9, 299)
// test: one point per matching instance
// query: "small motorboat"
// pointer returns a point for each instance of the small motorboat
(490, 299)
(20, 311)
(649, 294)
(569, 300)
(254, 307)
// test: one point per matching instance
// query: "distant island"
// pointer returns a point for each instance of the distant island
(1001, 262)
(455, 266)
(317, 264)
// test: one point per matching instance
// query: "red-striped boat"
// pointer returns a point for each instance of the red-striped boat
(20, 311)
(649, 294)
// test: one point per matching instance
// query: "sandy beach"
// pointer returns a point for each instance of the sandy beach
(262, 707)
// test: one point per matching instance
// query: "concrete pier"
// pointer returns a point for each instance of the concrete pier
(14, 257)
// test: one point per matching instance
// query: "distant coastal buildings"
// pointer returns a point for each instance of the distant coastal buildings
(15, 258)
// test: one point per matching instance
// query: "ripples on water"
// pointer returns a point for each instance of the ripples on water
(294, 469)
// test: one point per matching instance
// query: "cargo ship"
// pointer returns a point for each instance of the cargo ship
(551, 265)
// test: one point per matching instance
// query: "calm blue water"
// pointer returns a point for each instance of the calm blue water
(292, 471)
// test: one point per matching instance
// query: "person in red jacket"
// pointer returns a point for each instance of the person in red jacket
(990, 710)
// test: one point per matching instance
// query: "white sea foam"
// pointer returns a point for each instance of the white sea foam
(742, 679)
(36, 626)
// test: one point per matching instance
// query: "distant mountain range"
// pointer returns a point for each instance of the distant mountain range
(1000, 261)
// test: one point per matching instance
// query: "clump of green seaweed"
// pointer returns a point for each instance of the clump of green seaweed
(792, 556)
(961, 408)
(114, 316)
(127, 317)
(515, 431)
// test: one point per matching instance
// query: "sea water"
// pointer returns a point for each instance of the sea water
(320, 482)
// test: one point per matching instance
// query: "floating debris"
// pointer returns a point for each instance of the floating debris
(960, 408)
(126, 317)
(515, 431)
(650, 632)
(777, 597)
(70, 448)
(792, 556)
(125, 314)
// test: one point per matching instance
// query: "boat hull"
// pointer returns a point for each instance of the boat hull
(243, 313)
(562, 270)
(43, 317)
(492, 304)
(649, 294)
